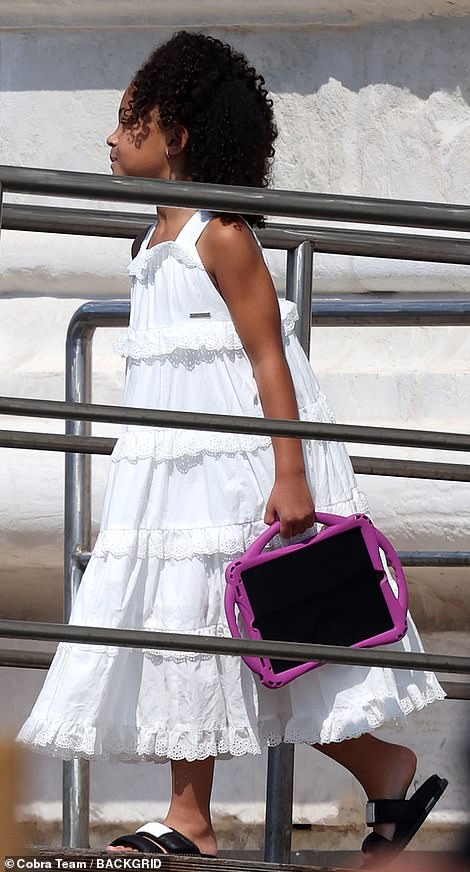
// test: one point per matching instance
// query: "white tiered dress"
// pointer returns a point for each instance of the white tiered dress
(179, 505)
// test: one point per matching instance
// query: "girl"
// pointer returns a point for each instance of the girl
(207, 334)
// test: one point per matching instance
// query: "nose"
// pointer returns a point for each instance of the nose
(112, 139)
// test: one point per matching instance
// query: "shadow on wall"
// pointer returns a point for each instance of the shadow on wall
(421, 57)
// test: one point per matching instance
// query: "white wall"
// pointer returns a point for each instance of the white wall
(377, 110)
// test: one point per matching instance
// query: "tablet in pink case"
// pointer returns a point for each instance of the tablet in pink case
(330, 589)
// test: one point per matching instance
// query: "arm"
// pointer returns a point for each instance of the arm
(233, 258)
(138, 241)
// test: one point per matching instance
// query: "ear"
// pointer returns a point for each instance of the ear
(177, 139)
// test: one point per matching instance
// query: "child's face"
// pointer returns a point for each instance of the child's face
(140, 150)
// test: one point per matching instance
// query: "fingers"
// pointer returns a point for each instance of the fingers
(270, 515)
(290, 503)
(290, 528)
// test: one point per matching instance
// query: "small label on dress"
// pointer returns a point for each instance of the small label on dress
(199, 314)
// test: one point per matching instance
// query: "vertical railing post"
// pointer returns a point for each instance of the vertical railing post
(77, 525)
(299, 288)
(280, 778)
(279, 792)
(1, 205)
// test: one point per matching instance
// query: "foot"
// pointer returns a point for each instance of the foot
(199, 831)
(119, 849)
(395, 783)
(203, 838)
(408, 815)
(390, 782)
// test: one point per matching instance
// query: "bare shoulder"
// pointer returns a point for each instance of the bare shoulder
(229, 237)
(227, 228)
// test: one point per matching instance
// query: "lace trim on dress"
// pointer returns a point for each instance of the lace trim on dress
(157, 656)
(71, 739)
(162, 445)
(149, 260)
(153, 655)
(203, 541)
(178, 544)
(209, 338)
(351, 724)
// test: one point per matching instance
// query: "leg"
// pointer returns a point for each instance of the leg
(189, 811)
(384, 770)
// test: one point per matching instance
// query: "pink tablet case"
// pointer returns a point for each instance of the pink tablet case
(330, 589)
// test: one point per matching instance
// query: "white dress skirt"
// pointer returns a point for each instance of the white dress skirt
(179, 505)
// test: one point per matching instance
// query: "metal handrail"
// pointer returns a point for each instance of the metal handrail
(326, 240)
(33, 659)
(362, 465)
(146, 417)
(227, 646)
(228, 198)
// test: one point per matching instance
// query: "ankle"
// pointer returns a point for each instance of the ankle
(395, 783)
(196, 828)
(394, 777)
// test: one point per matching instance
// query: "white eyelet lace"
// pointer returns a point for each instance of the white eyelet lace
(202, 338)
(149, 260)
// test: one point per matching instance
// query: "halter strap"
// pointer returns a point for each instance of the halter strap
(194, 227)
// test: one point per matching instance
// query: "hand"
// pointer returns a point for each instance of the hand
(291, 503)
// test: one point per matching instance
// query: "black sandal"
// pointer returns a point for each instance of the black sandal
(156, 838)
(408, 814)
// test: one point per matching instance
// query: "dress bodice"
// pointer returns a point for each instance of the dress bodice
(174, 303)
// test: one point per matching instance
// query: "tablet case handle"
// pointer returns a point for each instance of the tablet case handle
(230, 601)
(330, 520)
(264, 538)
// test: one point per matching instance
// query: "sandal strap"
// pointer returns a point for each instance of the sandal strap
(388, 811)
(170, 840)
(375, 844)
(156, 838)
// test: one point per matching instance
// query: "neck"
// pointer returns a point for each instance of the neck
(172, 216)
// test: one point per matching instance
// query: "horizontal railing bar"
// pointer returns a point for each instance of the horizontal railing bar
(79, 222)
(234, 424)
(228, 198)
(411, 468)
(221, 645)
(367, 243)
(393, 310)
(34, 440)
(327, 240)
(56, 442)
(329, 310)
(43, 660)
(456, 689)
(25, 659)
(434, 558)
(407, 558)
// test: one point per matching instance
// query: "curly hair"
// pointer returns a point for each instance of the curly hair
(204, 84)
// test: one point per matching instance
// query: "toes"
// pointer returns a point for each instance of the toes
(114, 849)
